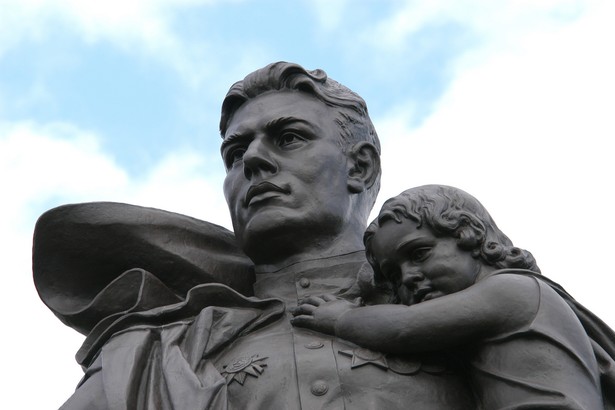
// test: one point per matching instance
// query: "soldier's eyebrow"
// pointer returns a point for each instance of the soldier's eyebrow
(278, 123)
(232, 139)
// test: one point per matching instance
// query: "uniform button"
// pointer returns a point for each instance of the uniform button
(314, 345)
(319, 388)
(304, 282)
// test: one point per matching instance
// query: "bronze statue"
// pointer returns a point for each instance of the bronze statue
(178, 317)
(469, 292)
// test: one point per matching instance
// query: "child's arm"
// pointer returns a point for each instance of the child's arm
(493, 306)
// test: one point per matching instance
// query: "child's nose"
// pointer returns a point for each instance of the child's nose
(411, 277)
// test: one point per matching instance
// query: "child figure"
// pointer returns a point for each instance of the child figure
(461, 287)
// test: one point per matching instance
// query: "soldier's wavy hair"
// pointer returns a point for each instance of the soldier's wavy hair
(452, 212)
(351, 115)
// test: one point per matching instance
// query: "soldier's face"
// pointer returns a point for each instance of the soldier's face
(286, 172)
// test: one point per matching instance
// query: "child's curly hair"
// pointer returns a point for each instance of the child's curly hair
(452, 212)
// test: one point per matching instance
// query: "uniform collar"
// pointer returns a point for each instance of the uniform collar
(320, 263)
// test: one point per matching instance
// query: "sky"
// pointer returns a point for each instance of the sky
(511, 101)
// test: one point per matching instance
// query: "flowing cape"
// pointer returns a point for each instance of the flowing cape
(85, 255)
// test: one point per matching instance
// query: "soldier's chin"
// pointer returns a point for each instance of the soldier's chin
(268, 231)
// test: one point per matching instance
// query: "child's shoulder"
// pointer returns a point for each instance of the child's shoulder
(512, 300)
(512, 277)
(508, 286)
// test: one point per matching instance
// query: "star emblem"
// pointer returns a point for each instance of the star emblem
(409, 364)
(243, 366)
(361, 356)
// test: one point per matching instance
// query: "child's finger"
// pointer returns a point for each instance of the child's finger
(302, 321)
(329, 298)
(305, 309)
(308, 309)
(296, 311)
(312, 300)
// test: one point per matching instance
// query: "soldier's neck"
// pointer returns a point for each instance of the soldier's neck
(307, 261)
(312, 250)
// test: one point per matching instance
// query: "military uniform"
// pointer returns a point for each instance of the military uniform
(305, 370)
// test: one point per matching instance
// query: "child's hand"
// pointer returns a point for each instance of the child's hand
(321, 313)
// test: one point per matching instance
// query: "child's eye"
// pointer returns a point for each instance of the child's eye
(420, 254)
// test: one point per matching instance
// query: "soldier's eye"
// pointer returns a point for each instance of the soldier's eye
(237, 154)
(234, 155)
(290, 139)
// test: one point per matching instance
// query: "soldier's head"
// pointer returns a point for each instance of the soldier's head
(301, 153)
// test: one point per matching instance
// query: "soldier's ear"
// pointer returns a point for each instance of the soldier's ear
(364, 167)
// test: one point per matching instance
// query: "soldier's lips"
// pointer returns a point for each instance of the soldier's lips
(263, 191)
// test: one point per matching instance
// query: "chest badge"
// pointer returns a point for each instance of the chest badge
(409, 364)
(243, 366)
(361, 356)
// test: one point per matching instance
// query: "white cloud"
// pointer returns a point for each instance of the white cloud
(180, 183)
(60, 163)
(40, 163)
(141, 27)
(496, 22)
(330, 14)
(528, 131)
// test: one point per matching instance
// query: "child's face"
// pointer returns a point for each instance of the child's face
(420, 264)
